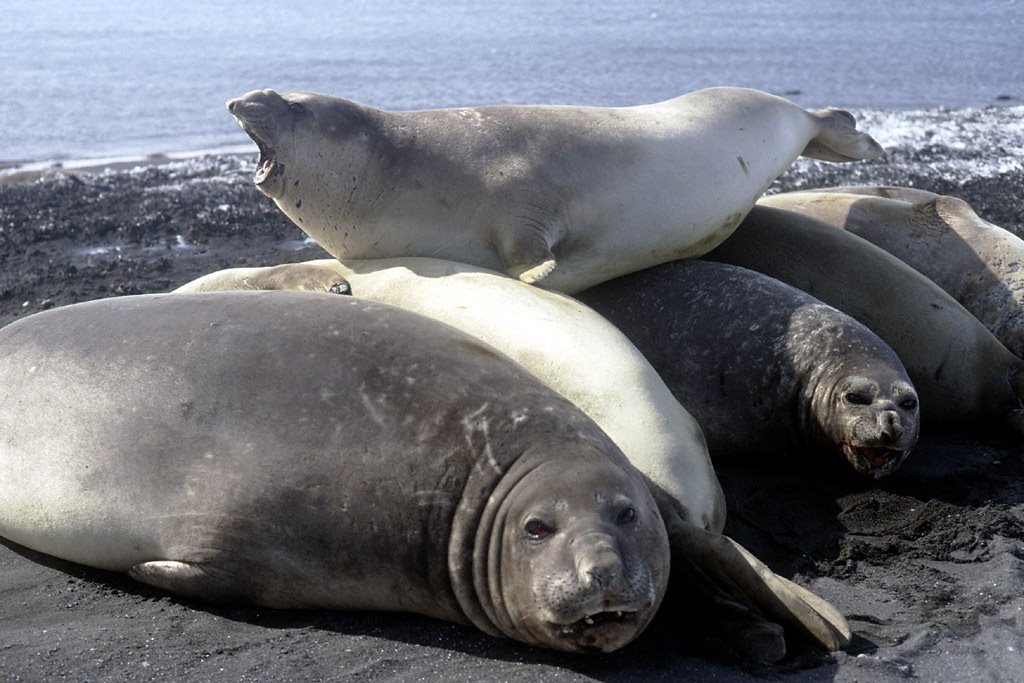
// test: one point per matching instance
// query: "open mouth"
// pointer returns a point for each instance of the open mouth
(578, 630)
(265, 164)
(874, 461)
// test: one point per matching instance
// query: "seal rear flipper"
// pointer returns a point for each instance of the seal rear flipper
(747, 598)
(839, 140)
(188, 579)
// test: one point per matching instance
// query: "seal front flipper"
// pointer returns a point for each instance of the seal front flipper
(188, 579)
(839, 140)
(527, 225)
(746, 599)
(526, 252)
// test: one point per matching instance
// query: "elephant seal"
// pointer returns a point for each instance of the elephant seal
(306, 450)
(317, 451)
(598, 191)
(964, 376)
(979, 264)
(566, 345)
(764, 367)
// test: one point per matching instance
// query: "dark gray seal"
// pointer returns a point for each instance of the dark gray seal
(598, 191)
(308, 450)
(765, 368)
(964, 376)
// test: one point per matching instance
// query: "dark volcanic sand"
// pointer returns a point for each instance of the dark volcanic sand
(927, 565)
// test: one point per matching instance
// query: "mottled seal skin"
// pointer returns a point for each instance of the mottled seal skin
(566, 345)
(964, 376)
(597, 192)
(767, 369)
(299, 450)
(573, 349)
(979, 264)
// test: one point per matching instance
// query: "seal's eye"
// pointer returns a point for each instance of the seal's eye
(537, 530)
(626, 516)
(855, 399)
(909, 403)
(297, 108)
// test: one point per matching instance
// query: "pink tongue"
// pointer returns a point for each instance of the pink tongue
(877, 457)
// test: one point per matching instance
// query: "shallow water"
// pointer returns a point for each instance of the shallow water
(99, 77)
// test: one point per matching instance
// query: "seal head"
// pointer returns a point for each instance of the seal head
(870, 413)
(265, 116)
(566, 565)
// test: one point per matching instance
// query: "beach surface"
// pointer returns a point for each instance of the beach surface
(928, 565)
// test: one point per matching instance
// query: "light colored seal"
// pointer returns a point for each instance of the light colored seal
(765, 368)
(599, 192)
(964, 376)
(301, 450)
(979, 264)
(566, 345)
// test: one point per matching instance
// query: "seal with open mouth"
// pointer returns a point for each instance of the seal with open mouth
(599, 192)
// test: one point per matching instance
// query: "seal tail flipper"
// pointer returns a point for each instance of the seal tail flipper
(187, 579)
(839, 140)
(747, 598)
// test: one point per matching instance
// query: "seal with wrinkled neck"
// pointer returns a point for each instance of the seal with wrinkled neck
(300, 450)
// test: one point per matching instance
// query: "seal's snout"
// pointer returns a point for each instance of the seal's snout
(890, 426)
(255, 98)
(599, 564)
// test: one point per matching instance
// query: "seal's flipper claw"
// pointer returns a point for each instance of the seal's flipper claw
(743, 591)
(527, 255)
(532, 275)
(343, 288)
(185, 578)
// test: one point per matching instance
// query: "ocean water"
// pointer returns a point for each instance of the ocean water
(101, 78)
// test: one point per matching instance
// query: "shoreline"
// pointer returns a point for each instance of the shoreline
(28, 170)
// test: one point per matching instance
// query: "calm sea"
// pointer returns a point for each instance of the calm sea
(96, 78)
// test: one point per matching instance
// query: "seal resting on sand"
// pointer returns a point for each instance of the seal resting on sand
(979, 264)
(301, 450)
(765, 368)
(964, 376)
(561, 195)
